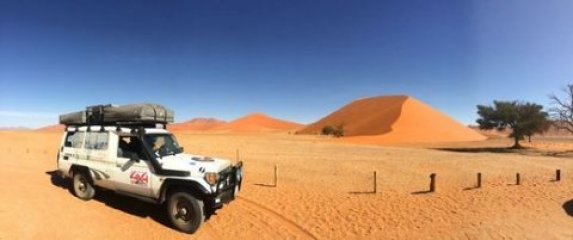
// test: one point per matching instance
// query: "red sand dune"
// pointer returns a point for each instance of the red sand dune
(196, 124)
(394, 119)
(258, 122)
(52, 128)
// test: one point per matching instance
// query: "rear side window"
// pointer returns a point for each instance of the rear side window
(96, 140)
(74, 139)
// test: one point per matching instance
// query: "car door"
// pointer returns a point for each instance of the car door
(95, 155)
(69, 152)
(131, 172)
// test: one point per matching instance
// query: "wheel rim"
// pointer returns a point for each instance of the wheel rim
(81, 185)
(183, 210)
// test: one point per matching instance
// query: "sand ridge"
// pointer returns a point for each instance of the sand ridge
(196, 124)
(257, 122)
(394, 119)
(52, 128)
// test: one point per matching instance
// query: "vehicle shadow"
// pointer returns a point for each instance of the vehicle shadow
(59, 181)
(122, 203)
(568, 207)
(133, 206)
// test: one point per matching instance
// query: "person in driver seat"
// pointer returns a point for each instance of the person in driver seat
(158, 145)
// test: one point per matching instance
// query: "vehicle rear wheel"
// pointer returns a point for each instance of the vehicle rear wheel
(83, 187)
(185, 212)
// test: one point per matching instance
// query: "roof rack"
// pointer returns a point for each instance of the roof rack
(131, 115)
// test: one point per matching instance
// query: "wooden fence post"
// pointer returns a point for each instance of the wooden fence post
(558, 175)
(375, 190)
(276, 175)
(517, 179)
(479, 180)
(432, 182)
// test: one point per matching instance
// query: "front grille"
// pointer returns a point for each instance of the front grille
(226, 179)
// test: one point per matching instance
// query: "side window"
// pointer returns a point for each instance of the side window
(74, 139)
(96, 140)
(129, 145)
(124, 148)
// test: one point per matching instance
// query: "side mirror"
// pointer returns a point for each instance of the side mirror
(133, 157)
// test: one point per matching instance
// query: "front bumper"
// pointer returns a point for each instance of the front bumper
(228, 185)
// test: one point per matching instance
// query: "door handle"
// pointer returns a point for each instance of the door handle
(65, 157)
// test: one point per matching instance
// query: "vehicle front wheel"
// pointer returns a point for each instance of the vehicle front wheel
(83, 187)
(185, 212)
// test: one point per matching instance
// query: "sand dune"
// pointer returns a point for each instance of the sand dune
(196, 124)
(52, 128)
(394, 119)
(257, 122)
(252, 123)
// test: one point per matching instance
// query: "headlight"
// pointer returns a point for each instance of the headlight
(211, 178)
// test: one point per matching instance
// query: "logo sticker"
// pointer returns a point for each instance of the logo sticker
(138, 178)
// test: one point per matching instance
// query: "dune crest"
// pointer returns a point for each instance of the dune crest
(258, 122)
(394, 119)
(52, 128)
(196, 124)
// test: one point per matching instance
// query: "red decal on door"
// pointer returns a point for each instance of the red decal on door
(139, 178)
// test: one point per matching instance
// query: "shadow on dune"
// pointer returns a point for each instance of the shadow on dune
(122, 203)
(568, 207)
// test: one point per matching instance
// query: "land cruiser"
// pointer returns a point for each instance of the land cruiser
(127, 149)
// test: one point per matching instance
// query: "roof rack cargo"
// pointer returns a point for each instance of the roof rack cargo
(131, 114)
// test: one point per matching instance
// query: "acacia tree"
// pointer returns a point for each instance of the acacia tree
(524, 119)
(562, 111)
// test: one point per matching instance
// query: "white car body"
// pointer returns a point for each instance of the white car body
(140, 179)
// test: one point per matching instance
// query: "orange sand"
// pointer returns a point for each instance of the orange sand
(394, 119)
(323, 193)
(196, 124)
(257, 122)
(52, 128)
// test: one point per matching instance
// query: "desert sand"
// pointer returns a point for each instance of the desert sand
(324, 192)
(394, 119)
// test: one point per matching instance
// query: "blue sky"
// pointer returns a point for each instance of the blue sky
(297, 60)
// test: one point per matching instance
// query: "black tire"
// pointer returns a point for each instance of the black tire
(83, 186)
(185, 212)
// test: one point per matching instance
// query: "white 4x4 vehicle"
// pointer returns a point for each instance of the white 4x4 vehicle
(121, 148)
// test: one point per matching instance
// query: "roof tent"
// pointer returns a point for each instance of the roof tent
(131, 114)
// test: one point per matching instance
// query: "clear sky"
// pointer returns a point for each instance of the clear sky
(297, 60)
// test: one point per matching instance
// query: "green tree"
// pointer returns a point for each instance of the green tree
(337, 131)
(524, 119)
(327, 130)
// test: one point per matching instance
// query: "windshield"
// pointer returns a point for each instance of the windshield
(163, 144)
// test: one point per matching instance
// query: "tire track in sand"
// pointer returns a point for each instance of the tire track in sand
(271, 215)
